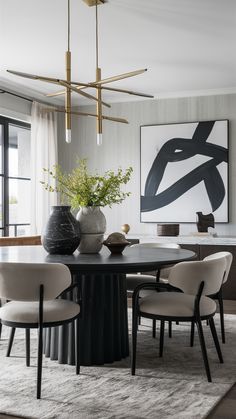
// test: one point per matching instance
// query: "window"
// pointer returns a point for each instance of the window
(14, 177)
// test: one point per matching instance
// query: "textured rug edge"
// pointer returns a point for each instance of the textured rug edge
(218, 402)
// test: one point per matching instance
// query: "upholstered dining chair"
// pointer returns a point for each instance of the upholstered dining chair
(133, 280)
(196, 280)
(219, 295)
(32, 293)
(18, 241)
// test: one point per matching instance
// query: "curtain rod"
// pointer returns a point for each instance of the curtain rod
(14, 94)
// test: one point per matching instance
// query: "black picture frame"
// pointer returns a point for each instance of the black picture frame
(184, 168)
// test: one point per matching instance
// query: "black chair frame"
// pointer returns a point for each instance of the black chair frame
(196, 318)
(40, 326)
(154, 320)
(219, 297)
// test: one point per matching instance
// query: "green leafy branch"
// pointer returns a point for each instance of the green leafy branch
(81, 189)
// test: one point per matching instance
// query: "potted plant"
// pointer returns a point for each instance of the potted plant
(88, 192)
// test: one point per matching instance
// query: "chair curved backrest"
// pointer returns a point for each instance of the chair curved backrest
(21, 281)
(229, 258)
(188, 275)
(154, 244)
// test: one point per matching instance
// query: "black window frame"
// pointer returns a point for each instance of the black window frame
(5, 122)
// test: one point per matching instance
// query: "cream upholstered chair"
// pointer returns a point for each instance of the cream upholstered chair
(133, 280)
(218, 296)
(32, 289)
(18, 241)
(196, 280)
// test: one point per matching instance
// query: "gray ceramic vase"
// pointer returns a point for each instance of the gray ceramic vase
(62, 234)
(92, 223)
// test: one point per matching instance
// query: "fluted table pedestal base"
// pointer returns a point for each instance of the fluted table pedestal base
(103, 323)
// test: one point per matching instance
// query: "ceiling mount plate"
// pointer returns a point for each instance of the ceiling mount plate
(94, 2)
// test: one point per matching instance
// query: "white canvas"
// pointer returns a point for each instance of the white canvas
(205, 164)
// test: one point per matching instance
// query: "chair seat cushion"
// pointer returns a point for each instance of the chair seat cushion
(133, 280)
(27, 312)
(175, 304)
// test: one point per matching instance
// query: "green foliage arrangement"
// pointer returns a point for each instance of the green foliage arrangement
(82, 189)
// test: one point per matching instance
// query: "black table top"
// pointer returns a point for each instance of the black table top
(133, 259)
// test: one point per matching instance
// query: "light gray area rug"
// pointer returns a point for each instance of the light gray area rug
(174, 386)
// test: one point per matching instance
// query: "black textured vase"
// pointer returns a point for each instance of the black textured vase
(61, 235)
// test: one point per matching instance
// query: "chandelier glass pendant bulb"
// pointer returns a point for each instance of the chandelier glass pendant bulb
(78, 87)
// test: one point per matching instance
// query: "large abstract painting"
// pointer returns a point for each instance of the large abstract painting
(184, 169)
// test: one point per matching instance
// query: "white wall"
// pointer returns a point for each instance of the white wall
(121, 147)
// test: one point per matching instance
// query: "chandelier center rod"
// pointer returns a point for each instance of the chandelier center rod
(68, 25)
(96, 34)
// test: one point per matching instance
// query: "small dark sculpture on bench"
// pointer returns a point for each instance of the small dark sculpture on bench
(205, 221)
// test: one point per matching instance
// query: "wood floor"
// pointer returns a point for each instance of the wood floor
(226, 408)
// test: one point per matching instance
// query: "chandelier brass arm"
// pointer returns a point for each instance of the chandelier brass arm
(60, 82)
(46, 79)
(115, 119)
(109, 118)
(42, 78)
(81, 92)
(94, 85)
(129, 92)
(97, 84)
(121, 76)
(82, 85)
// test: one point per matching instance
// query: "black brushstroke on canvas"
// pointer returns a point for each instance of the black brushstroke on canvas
(178, 149)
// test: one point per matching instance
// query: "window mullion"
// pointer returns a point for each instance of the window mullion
(7, 175)
(5, 180)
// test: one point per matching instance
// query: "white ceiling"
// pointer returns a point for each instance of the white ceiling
(188, 46)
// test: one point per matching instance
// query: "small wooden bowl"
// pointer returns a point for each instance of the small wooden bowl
(116, 248)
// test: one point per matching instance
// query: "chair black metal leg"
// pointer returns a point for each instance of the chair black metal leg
(170, 329)
(40, 360)
(216, 341)
(10, 341)
(139, 320)
(161, 344)
(27, 346)
(203, 348)
(222, 324)
(154, 325)
(192, 334)
(134, 342)
(77, 349)
(40, 342)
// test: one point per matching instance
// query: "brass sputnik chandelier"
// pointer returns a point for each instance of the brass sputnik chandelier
(79, 87)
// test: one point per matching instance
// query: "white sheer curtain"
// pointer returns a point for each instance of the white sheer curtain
(44, 154)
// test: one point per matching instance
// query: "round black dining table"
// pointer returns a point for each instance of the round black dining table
(103, 324)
